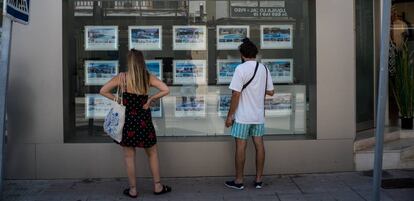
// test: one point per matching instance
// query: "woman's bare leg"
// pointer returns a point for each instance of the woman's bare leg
(152, 154)
(129, 156)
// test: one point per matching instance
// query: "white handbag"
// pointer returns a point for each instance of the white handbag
(115, 119)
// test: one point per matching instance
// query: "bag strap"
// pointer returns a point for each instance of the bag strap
(120, 88)
(266, 77)
(251, 79)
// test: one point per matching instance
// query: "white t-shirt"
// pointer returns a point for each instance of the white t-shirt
(251, 104)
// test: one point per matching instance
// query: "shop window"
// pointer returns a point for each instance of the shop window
(402, 40)
(191, 46)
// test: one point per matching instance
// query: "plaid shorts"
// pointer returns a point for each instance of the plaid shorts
(244, 131)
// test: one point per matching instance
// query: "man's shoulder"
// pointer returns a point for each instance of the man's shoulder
(243, 67)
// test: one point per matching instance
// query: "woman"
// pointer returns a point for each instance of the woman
(138, 129)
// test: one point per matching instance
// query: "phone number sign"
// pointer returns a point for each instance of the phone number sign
(17, 10)
(258, 12)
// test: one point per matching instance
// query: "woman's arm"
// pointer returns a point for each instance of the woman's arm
(161, 86)
(106, 89)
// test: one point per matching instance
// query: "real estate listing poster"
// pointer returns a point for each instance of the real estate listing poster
(145, 37)
(190, 106)
(230, 37)
(155, 67)
(189, 37)
(225, 70)
(189, 71)
(280, 104)
(101, 37)
(98, 72)
(223, 105)
(280, 69)
(276, 36)
(96, 106)
(156, 109)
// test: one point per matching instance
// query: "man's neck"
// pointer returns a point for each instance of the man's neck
(250, 59)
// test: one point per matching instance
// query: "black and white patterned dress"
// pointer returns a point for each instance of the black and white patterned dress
(138, 129)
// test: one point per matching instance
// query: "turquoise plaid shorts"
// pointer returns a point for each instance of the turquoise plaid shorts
(244, 131)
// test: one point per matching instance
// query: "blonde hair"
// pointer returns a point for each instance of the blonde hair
(137, 74)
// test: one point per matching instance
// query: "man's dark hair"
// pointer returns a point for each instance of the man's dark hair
(248, 49)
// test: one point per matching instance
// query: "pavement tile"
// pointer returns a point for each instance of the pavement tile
(74, 198)
(39, 198)
(367, 195)
(265, 198)
(310, 186)
(284, 186)
(346, 186)
(157, 199)
(347, 196)
(102, 197)
(11, 197)
(406, 194)
(319, 197)
(291, 197)
(236, 198)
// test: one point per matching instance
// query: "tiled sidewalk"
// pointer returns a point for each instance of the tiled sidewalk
(349, 186)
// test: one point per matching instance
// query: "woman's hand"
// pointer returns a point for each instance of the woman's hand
(163, 91)
(147, 105)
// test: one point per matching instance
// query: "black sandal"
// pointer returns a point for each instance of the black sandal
(126, 192)
(165, 189)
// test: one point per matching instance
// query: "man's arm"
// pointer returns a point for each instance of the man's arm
(270, 93)
(234, 103)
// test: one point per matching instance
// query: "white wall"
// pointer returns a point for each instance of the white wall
(335, 38)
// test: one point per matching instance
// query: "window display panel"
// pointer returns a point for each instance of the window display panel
(193, 47)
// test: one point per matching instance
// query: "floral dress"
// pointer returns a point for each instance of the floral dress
(138, 129)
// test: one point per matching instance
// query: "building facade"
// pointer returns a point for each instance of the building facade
(70, 48)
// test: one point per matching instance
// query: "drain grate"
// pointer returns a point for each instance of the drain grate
(397, 183)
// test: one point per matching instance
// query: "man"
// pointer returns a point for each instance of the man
(250, 83)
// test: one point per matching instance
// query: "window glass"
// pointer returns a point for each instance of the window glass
(191, 46)
(402, 42)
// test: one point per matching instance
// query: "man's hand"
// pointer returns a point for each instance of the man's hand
(229, 122)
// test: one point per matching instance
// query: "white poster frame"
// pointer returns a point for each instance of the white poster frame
(276, 44)
(201, 113)
(145, 46)
(190, 80)
(222, 111)
(276, 78)
(278, 112)
(98, 46)
(230, 45)
(225, 79)
(99, 81)
(202, 45)
(93, 114)
(157, 114)
(160, 69)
